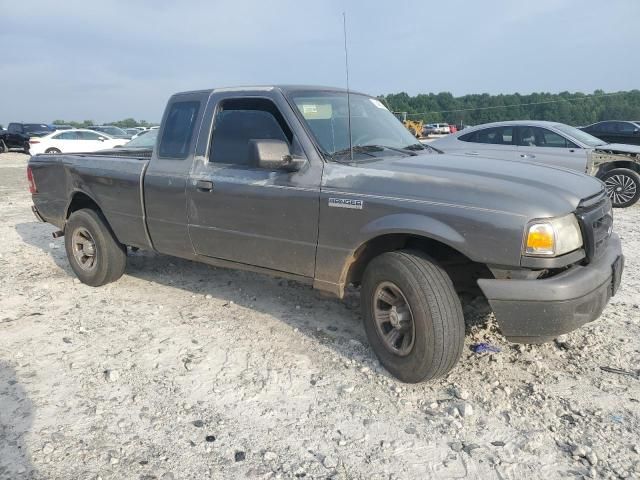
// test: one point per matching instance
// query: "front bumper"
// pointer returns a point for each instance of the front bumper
(536, 311)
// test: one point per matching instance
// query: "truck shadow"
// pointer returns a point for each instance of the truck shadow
(335, 323)
(16, 417)
(332, 322)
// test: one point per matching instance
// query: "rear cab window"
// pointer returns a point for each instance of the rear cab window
(178, 130)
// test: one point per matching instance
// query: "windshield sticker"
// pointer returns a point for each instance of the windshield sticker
(316, 111)
(309, 109)
(377, 103)
(346, 203)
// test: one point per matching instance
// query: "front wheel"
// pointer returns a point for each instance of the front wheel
(94, 254)
(412, 315)
(52, 150)
(623, 186)
(3, 147)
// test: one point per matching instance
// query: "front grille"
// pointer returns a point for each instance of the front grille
(596, 221)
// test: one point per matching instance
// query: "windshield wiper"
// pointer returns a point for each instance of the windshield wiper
(415, 146)
(422, 146)
(364, 149)
(368, 149)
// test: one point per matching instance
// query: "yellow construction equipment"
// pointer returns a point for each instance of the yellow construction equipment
(414, 126)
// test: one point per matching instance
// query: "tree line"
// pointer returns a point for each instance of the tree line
(577, 108)
(126, 123)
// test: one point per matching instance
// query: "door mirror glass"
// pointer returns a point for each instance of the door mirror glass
(273, 155)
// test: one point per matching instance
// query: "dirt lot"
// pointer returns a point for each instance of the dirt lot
(179, 371)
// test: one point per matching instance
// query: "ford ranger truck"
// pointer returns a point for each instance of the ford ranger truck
(284, 180)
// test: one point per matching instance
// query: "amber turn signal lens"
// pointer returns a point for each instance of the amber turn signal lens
(541, 239)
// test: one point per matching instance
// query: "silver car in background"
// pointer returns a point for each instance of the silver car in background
(555, 144)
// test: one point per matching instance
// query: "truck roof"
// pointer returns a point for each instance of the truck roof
(283, 88)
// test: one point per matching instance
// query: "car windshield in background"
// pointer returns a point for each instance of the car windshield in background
(37, 128)
(580, 135)
(375, 131)
(112, 130)
(148, 140)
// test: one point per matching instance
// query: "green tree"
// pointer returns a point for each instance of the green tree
(572, 108)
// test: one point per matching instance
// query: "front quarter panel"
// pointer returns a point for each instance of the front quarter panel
(350, 216)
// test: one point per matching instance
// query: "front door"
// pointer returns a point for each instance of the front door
(240, 212)
(541, 145)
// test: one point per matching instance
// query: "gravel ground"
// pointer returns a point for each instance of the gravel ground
(179, 370)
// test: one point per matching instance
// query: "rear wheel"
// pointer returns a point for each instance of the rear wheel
(25, 147)
(94, 254)
(412, 315)
(52, 150)
(623, 186)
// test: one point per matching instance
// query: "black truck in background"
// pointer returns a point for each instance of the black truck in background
(17, 135)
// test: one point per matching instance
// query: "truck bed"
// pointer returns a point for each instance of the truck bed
(113, 181)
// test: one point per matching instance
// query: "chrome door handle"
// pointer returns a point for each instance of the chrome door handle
(204, 185)
(472, 153)
(524, 155)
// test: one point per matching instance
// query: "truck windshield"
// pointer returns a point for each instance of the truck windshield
(375, 131)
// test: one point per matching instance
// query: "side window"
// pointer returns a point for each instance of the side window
(88, 136)
(178, 130)
(625, 127)
(547, 138)
(527, 137)
(240, 120)
(66, 136)
(495, 136)
(469, 137)
(541, 137)
(606, 127)
(14, 128)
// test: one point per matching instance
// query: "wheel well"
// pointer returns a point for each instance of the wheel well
(463, 271)
(618, 164)
(79, 201)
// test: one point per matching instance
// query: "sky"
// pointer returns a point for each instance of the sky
(113, 59)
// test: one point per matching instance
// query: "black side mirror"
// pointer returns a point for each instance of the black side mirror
(273, 155)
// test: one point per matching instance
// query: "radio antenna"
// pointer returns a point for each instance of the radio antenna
(346, 69)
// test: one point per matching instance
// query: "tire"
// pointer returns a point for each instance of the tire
(623, 187)
(433, 308)
(26, 147)
(102, 264)
(52, 150)
(3, 147)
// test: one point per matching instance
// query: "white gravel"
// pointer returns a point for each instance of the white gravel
(182, 371)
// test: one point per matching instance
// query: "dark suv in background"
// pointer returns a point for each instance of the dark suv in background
(615, 131)
(17, 135)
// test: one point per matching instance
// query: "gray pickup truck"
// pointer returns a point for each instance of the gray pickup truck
(330, 189)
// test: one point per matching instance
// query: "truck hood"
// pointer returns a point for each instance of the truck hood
(618, 148)
(521, 188)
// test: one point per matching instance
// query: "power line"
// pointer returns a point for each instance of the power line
(590, 97)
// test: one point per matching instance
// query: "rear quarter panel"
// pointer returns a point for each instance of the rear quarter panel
(113, 183)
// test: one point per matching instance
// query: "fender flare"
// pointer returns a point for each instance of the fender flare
(412, 224)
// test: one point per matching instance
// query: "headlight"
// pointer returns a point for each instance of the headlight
(553, 237)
